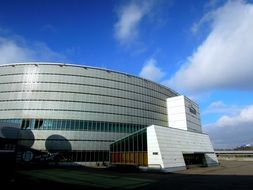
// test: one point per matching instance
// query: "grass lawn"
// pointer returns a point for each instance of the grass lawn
(87, 179)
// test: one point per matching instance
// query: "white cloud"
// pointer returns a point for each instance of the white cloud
(232, 131)
(130, 16)
(14, 48)
(221, 108)
(151, 71)
(245, 117)
(224, 60)
(11, 52)
(41, 51)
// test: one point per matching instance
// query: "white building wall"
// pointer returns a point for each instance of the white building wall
(183, 114)
(176, 112)
(154, 153)
(172, 143)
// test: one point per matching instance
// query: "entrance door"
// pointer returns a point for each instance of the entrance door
(195, 159)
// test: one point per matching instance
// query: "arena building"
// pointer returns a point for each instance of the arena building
(95, 116)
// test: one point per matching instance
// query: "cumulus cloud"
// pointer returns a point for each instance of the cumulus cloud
(12, 52)
(219, 107)
(129, 17)
(14, 48)
(245, 116)
(151, 71)
(224, 60)
(232, 131)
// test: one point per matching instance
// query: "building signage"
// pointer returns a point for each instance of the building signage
(192, 110)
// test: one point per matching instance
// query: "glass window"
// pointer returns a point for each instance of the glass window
(89, 125)
(85, 127)
(63, 124)
(144, 141)
(77, 125)
(47, 124)
(106, 126)
(102, 126)
(25, 124)
(126, 144)
(68, 125)
(59, 124)
(117, 129)
(72, 125)
(131, 143)
(31, 124)
(122, 128)
(81, 124)
(38, 123)
(110, 127)
(135, 139)
(94, 126)
(54, 124)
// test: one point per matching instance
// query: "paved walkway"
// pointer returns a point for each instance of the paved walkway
(225, 168)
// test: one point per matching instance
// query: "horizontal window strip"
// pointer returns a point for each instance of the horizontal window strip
(171, 92)
(109, 113)
(84, 93)
(49, 139)
(96, 127)
(74, 101)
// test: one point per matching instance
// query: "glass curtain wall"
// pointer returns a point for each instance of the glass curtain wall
(59, 146)
(73, 125)
(131, 150)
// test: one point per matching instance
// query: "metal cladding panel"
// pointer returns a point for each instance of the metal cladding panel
(192, 116)
(172, 143)
(58, 91)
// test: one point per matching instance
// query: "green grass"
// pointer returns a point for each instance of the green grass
(84, 178)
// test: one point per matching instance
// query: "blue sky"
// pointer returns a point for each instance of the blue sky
(202, 49)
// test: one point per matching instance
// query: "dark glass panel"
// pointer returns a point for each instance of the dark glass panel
(25, 124)
(145, 141)
(81, 128)
(38, 123)
(68, 124)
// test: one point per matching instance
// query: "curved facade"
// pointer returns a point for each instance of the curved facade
(77, 110)
(53, 91)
